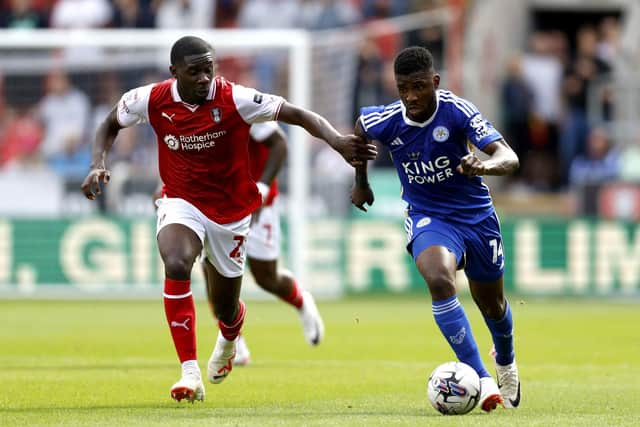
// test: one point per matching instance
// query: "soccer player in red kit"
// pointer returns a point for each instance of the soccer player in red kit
(267, 153)
(202, 125)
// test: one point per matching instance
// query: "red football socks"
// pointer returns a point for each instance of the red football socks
(181, 317)
(295, 296)
(230, 332)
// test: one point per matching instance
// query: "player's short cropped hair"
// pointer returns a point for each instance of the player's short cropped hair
(413, 59)
(188, 45)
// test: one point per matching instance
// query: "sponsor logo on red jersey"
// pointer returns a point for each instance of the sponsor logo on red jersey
(193, 142)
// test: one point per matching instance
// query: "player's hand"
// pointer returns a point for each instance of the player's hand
(91, 184)
(355, 150)
(361, 195)
(470, 165)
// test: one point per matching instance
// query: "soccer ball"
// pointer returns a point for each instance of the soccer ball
(453, 388)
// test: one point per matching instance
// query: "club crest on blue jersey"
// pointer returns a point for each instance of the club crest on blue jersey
(441, 134)
(216, 115)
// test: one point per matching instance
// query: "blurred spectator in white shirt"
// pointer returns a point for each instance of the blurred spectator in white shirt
(64, 112)
(81, 14)
(542, 71)
(269, 14)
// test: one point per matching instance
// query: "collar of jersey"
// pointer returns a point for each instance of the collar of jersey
(410, 122)
(192, 107)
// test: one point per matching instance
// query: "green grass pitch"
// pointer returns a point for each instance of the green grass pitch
(111, 363)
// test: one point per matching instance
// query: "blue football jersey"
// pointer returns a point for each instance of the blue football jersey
(426, 155)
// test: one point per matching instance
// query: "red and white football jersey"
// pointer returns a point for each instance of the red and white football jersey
(259, 153)
(203, 154)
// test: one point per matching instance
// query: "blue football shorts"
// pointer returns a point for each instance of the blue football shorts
(477, 246)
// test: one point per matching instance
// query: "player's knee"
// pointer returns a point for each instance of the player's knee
(441, 285)
(177, 266)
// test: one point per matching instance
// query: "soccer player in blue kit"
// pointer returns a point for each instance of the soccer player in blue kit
(451, 222)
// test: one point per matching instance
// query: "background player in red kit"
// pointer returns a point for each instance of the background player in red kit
(267, 152)
(202, 125)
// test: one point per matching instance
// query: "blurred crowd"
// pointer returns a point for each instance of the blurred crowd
(49, 121)
(309, 14)
(558, 114)
(546, 96)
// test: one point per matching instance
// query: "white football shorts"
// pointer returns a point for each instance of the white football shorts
(264, 238)
(224, 245)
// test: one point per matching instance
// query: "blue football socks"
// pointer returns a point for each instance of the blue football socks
(502, 334)
(455, 327)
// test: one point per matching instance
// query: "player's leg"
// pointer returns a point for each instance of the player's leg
(437, 265)
(485, 270)
(179, 246)
(243, 355)
(497, 314)
(282, 284)
(263, 250)
(225, 260)
(437, 251)
(224, 299)
(266, 275)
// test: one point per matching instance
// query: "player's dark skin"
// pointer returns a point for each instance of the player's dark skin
(437, 264)
(179, 246)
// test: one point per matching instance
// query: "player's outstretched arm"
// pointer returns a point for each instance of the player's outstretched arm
(98, 173)
(354, 149)
(502, 161)
(361, 191)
